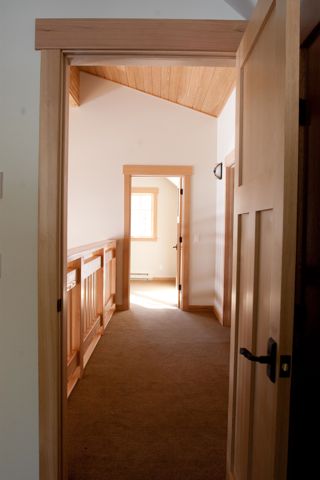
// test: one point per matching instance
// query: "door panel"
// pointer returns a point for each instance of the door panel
(263, 391)
(264, 247)
(257, 157)
(244, 338)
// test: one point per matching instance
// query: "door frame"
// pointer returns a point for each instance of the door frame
(65, 42)
(229, 163)
(184, 172)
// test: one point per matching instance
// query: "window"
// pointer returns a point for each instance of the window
(144, 213)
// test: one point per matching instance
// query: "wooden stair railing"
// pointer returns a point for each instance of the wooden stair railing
(91, 289)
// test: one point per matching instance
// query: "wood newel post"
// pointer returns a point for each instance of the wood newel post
(113, 274)
(82, 316)
(100, 291)
(104, 300)
(76, 312)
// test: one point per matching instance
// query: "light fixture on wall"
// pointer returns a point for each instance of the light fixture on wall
(218, 171)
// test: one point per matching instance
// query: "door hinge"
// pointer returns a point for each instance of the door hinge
(180, 287)
(59, 305)
(304, 114)
(180, 239)
(181, 191)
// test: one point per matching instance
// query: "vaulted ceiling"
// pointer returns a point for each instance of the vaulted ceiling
(201, 88)
(205, 89)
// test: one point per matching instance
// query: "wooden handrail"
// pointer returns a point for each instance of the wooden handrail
(91, 283)
(86, 250)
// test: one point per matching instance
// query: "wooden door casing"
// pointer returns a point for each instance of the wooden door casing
(74, 42)
(264, 238)
(228, 245)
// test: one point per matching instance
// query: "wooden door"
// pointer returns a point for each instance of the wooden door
(264, 240)
(179, 236)
(183, 245)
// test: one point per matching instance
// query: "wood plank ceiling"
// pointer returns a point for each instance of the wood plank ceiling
(205, 89)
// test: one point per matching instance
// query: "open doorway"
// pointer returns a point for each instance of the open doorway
(175, 181)
(155, 241)
(167, 329)
(191, 137)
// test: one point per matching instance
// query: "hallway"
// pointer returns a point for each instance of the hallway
(153, 400)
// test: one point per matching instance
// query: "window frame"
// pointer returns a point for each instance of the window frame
(153, 191)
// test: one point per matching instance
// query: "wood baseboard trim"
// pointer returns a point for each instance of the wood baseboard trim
(122, 308)
(154, 279)
(199, 308)
(217, 314)
(73, 381)
(163, 279)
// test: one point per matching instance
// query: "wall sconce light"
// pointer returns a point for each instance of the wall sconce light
(218, 171)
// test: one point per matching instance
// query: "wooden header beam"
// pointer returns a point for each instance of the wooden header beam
(198, 36)
(158, 170)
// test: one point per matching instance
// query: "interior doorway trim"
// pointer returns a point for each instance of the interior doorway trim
(229, 164)
(64, 42)
(184, 172)
(217, 38)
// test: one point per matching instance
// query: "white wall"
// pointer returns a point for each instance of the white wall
(158, 258)
(19, 100)
(225, 144)
(244, 7)
(116, 125)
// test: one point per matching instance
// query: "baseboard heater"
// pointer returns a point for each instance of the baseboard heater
(140, 276)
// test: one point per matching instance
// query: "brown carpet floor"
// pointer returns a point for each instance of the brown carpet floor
(152, 404)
